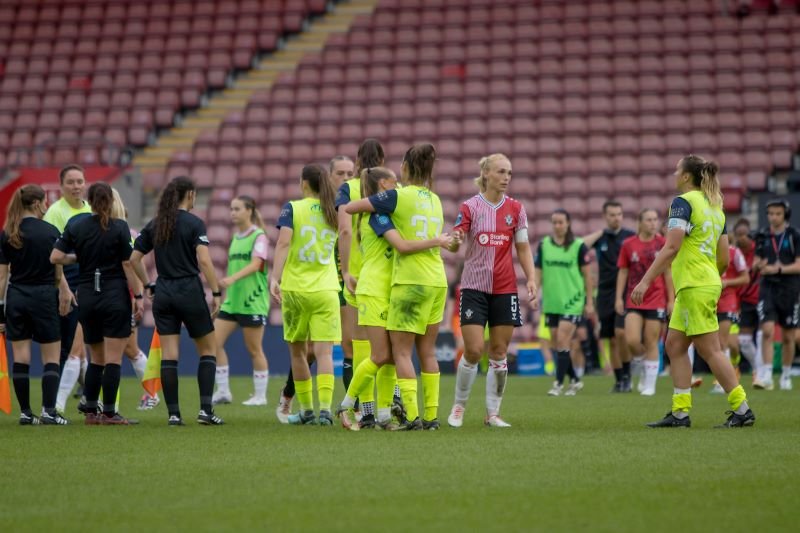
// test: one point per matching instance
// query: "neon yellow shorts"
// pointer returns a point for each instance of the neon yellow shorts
(543, 331)
(735, 329)
(413, 308)
(372, 310)
(695, 311)
(349, 298)
(311, 316)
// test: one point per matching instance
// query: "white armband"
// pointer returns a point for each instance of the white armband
(521, 235)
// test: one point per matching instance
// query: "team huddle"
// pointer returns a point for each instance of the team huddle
(358, 260)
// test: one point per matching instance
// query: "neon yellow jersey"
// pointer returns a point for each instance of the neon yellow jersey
(417, 214)
(310, 265)
(59, 213)
(377, 256)
(696, 262)
(349, 192)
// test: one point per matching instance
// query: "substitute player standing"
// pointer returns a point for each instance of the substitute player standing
(180, 244)
(643, 322)
(305, 284)
(102, 246)
(32, 305)
(607, 244)
(697, 251)
(490, 222)
(778, 262)
(563, 273)
(246, 302)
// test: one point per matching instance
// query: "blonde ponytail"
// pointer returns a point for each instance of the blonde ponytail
(709, 183)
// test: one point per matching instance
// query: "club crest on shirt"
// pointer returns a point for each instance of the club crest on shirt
(635, 257)
(383, 220)
(509, 220)
(468, 313)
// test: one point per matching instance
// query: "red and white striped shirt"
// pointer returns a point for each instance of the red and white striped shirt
(489, 231)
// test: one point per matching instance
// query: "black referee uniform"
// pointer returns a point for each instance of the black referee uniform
(180, 300)
(104, 302)
(31, 307)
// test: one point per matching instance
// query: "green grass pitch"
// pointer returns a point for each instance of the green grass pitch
(567, 464)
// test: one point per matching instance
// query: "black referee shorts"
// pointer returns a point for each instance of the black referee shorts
(748, 318)
(106, 314)
(479, 308)
(181, 301)
(32, 313)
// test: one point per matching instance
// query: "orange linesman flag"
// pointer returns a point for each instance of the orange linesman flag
(151, 381)
(5, 389)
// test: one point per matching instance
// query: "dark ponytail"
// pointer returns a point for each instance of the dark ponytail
(569, 238)
(370, 154)
(370, 184)
(101, 198)
(22, 200)
(171, 197)
(419, 160)
(320, 183)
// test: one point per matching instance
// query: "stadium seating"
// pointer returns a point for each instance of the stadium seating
(75, 75)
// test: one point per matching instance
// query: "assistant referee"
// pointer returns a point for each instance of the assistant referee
(179, 241)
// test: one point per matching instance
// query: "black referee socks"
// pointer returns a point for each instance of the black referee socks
(206, 373)
(50, 379)
(169, 382)
(110, 388)
(22, 386)
(91, 386)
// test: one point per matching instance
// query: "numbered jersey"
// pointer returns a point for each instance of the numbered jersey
(310, 265)
(696, 262)
(417, 215)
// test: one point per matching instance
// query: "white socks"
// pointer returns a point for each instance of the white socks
(495, 385)
(465, 377)
(222, 380)
(748, 350)
(139, 365)
(650, 374)
(579, 371)
(260, 380)
(72, 370)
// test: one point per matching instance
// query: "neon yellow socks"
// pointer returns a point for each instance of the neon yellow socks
(430, 392)
(737, 399)
(303, 390)
(363, 378)
(681, 401)
(361, 353)
(385, 381)
(324, 391)
(408, 390)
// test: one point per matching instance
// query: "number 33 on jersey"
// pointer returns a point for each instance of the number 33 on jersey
(310, 267)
